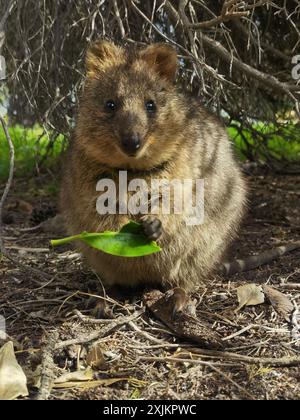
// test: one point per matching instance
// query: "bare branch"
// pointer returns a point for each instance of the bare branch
(118, 17)
(9, 181)
(265, 80)
(6, 13)
(229, 12)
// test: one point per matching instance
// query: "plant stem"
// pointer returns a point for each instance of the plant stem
(64, 241)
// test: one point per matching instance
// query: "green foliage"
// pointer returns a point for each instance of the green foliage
(259, 141)
(129, 242)
(31, 146)
(262, 141)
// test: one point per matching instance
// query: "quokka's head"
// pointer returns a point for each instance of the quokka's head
(130, 114)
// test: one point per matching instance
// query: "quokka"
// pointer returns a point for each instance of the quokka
(133, 118)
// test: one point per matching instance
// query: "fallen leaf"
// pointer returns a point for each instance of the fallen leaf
(34, 378)
(13, 382)
(78, 376)
(280, 302)
(21, 206)
(95, 358)
(250, 295)
(84, 379)
(88, 384)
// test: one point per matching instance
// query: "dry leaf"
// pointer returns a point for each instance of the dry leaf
(13, 382)
(78, 376)
(95, 358)
(280, 302)
(99, 382)
(34, 377)
(20, 206)
(250, 294)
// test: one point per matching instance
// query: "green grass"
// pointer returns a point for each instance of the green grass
(262, 139)
(31, 145)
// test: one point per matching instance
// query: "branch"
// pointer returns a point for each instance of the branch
(226, 15)
(3, 20)
(5, 15)
(244, 31)
(285, 361)
(7, 188)
(237, 3)
(48, 366)
(219, 19)
(263, 78)
(199, 363)
(9, 181)
(104, 332)
(119, 20)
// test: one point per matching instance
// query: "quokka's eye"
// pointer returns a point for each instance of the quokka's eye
(110, 106)
(150, 106)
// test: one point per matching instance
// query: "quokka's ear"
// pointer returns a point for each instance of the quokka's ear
(162, 58)
(100, 56)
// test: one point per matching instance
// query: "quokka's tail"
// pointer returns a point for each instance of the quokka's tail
(252, 262)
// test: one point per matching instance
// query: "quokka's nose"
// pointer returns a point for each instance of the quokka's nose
(131, 144)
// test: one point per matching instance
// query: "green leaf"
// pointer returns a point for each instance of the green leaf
(129, 242)
(132, 227)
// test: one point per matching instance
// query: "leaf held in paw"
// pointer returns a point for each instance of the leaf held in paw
(129, 242)
(280, 302)
(250, 295)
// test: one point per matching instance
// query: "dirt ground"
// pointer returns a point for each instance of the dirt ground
(133, 360)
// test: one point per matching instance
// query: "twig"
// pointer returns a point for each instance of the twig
(93, 321)
(144, 334)
(47, 376)
(6, 14)
(29, 250)
(9, 181)
(183, 324)
(265, 80)
(219, 19)
(99, 334)
(7, 188)
(119, 20)
(201, 363)
(28, 269)
(290, 286)
(286, 361)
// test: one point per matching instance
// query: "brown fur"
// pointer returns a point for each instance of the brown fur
(181, 141)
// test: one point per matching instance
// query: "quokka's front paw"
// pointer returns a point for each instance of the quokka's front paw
(152, 228)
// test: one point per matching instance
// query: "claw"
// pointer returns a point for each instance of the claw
(152, 229)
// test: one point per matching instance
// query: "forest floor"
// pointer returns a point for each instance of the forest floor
(139, 358)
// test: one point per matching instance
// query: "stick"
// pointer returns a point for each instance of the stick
(265, 80)
(99, 334)
(47, 376)
(7, 188)
(183, 325)
(201, 363)
(286, 361)
(9, 181)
